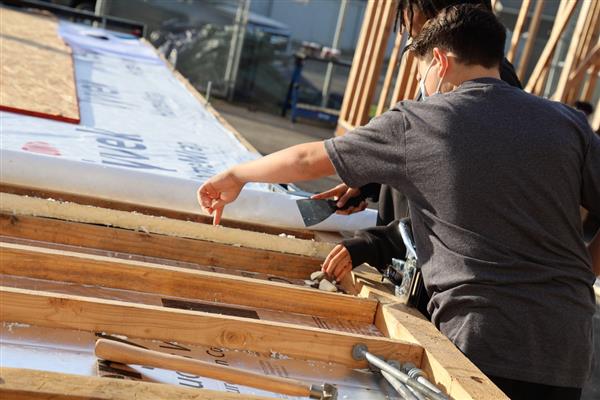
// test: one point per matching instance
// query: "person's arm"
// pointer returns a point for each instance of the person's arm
(376, 246)
(298, 163)
(370, 153)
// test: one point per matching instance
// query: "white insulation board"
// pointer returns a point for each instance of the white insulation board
(143, 139)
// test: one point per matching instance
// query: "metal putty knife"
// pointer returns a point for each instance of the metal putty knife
(314, 211)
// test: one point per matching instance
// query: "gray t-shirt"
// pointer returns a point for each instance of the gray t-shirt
(494, 178)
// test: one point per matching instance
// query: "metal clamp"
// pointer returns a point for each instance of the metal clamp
(323, 392)
(360, 352)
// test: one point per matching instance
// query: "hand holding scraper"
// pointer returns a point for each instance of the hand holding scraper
(314, 211)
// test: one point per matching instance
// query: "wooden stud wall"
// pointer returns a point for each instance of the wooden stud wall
(44, 304)
(578, 78)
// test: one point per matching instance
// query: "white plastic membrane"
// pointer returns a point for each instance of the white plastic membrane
(143, 138)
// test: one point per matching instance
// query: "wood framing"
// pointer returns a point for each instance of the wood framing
(21, 205)
(27, 384)
(531, 13)
(518, 30)
(570, 60)
(155, 211)
(367, 64)
(560, 25)
(154, 245)
(389, 74)
(442, 361)
(67, 266)
(150, 322)
(534, 26)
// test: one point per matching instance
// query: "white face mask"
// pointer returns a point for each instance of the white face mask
(422, 88)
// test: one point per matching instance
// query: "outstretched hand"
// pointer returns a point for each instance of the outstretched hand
(218, 191)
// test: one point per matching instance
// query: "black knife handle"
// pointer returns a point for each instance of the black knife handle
(352, 202)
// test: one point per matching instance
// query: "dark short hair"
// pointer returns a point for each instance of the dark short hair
(430, 8)
(471, 32)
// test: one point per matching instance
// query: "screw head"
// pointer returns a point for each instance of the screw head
(358, 351)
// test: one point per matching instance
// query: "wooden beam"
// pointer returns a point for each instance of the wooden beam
(590, 85)
(86, 269)
(596, 118)
(154, 245)
(364, 64)
(570, 60)
(518, 30)
(403, 77)
(158, 323)
(357, 62)
(591, 61)
(584, 47)
(376, 60)
(28, 384)
(382, 105)
(155, 211)
(534, 26)
(21, 205)
(560, 25)
(445, 365)
(411, 83)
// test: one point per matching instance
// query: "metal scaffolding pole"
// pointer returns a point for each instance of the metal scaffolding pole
(334, 45)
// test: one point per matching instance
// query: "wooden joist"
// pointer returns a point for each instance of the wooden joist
(157, 323)
(516, 34)
(534, 26)
(67, 266)
(27, 384)
(563, 16)
(23, 205)
(571, 59)
(442, 361)
(155, 245)
(146, 210)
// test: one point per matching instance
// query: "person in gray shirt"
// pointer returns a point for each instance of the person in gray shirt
(495, 178)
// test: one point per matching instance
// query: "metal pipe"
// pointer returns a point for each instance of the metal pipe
(236, 47)
(407, 237)
(334, 45)
(411, 370)
(399, 387)
(359, 352)
(417, 394)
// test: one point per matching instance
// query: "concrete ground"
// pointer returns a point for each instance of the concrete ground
(270, 133)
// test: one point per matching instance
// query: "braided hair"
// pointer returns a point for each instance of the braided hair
(429, 9)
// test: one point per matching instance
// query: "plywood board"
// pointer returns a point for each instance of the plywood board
(37, 71)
